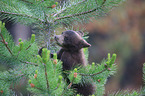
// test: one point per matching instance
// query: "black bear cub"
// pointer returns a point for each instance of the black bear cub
(71, 54)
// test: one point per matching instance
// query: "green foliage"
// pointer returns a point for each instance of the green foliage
(143, 89)
(126, 93)
(5, 88)
(56, 84)
(45, 74)
(97, 74)
(42, 11)
(46, 15)
(16, 60)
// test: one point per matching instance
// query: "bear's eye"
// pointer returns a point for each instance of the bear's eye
(65, 38)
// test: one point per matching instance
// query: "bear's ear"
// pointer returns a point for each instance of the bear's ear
(80, 33)
(84, 44)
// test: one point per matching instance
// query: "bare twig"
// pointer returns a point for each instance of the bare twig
(68, 7)
(74, 15)
(24, 15)
(5, 43)
(92, 74)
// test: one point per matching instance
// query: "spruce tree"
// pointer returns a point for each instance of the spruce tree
(44, 74)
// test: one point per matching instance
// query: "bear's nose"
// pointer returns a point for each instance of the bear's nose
(56, 37)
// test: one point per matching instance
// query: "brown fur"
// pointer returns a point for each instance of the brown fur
(71, 54)
(71, 59)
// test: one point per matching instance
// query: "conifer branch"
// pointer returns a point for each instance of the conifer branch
(28, 46)
(28, 63)
(103, 2)
(115, 94)
(27, 1)
(35, 64)
(39, 83)
(5, 43)
(92, 74)
(69, 86)
(5, 79)
(2, 55)
(11, 79)
(96, 2)
(78, 14)
(18, 54)
(45, 17)
(46, 76)
(23, 15)
(74, 15)
(67, 8)
(66, 88)
(38, 88)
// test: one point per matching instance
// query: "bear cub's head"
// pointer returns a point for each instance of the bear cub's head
(71, 40)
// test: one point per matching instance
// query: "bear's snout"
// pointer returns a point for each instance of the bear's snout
(56, 37)
(59, 39)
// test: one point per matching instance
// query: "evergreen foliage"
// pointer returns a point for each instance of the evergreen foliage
(15, 58)
(126, 93)
(139, 92)
(143, 89)
(45, 73)
(46, 15)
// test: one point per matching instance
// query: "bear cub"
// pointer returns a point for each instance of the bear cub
(71, 54)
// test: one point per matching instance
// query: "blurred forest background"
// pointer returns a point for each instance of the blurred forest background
(121, 31)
